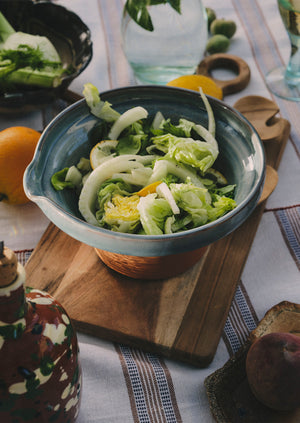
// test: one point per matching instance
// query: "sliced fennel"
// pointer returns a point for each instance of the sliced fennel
(27, 59)
(211, 118)
(164, 167)
(158, 119)
(74, 176)
(139, 176)
(126, 119)
(164, 191)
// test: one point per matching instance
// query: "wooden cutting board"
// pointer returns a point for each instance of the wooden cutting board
(181, 317)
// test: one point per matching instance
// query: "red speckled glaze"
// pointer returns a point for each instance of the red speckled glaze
(40, 373)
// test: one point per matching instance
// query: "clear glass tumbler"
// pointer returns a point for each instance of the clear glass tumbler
(285, 81)
(174, 47)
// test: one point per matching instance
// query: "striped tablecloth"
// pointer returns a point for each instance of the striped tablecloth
(121, 384)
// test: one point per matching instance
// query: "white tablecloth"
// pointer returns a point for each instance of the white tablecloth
(121, 384)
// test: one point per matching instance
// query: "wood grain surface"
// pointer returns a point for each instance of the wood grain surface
(226, 61)
(181, 317)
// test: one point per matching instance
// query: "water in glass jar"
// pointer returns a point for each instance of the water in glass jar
(175, 46)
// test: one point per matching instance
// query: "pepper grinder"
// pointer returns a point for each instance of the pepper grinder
(40, 373)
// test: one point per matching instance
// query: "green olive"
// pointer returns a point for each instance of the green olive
(217, 44)
(224, 27)
(211, 16)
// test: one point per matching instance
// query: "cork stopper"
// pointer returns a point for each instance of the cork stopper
(8, 266)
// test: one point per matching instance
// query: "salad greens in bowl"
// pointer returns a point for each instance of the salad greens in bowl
(147, 171)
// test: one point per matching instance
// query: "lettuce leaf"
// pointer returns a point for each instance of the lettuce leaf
(110, 188)
(193, 200)
(220, 207)
(58, 180)
(99, 108)
(153, 213)
(198, 154)
(117, 207)
(199, 204)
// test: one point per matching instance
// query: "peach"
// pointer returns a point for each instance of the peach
(273, 370)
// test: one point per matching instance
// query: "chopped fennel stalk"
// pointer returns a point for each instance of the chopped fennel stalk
(164, 191)
(126, 119)
(163, 167)
(74, 176)
(211, 118)
(28, 76)
(209, 138)
(5, 29)
(158, 119)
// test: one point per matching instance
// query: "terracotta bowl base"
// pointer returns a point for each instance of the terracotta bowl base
(159, 267)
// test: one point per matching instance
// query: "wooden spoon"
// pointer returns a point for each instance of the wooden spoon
(271, 181)
(261, 112)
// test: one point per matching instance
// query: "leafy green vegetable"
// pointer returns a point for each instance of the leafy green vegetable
(197, 203)
(198, 154)
(153, 213)
(137, 10)
(116, 210)
(227, 191)
(23, 56)
(59, 182)
(130, 144)
(110, 188)
(99, 108)
(220, 207)
(193, 200)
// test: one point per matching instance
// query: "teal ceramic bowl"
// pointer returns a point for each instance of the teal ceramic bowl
(71, 135)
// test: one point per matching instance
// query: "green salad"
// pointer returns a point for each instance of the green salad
(148, 176)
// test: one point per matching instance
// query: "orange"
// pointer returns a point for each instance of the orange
(193, 82)
(17, 146)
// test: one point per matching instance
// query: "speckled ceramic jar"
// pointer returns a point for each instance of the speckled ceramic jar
(40, 374)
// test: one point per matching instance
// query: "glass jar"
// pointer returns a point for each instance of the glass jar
(174, 47)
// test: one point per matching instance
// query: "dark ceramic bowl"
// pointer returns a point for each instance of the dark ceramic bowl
(71, 135)
(70, 36)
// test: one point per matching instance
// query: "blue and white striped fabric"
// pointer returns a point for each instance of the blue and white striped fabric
(122, 384)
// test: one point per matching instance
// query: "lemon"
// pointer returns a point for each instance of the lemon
(193, 82)
(148, 189)
(102, 151)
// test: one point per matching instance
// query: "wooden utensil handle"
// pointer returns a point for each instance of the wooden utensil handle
(227, 61)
